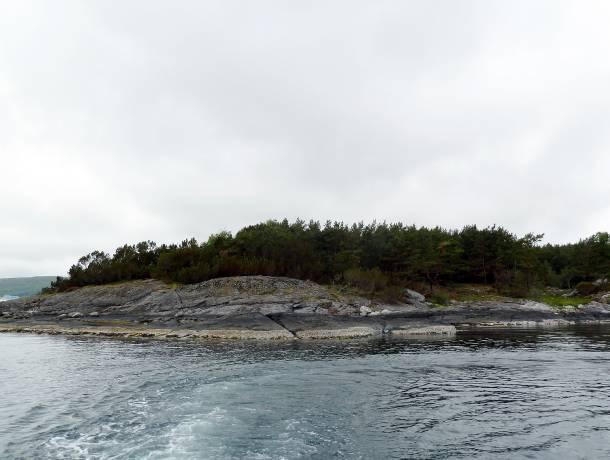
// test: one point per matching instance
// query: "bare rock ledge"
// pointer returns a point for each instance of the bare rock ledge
(259, 307)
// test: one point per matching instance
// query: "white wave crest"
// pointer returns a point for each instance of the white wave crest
(6, 297)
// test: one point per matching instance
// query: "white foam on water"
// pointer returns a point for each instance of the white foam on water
(6, 297)
(62, 447)
(196, 437)
(222, 433)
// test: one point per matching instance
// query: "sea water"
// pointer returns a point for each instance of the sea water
(7, 297)
(524, 394)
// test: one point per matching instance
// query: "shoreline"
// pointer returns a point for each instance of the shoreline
(354, 332)
(351, 332)
(271, 308)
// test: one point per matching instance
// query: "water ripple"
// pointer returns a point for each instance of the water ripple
(486, 395)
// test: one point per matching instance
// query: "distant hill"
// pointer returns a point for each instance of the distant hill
(22, 287)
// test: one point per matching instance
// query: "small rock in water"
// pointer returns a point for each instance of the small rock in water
(76, 314)
(364, 310)
(94, 314)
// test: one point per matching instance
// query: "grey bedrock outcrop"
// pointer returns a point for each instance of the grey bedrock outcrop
(272, 307)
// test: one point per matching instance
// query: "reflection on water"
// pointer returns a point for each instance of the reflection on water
(523, 394)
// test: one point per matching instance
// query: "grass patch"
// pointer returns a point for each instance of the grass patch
(560, 301)
(338, 291)
(473, 293)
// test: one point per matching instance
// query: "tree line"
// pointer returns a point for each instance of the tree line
(372, 257)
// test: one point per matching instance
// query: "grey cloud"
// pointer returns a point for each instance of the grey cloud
(138, 120)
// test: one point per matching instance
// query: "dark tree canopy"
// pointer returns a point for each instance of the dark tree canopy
(365, 255)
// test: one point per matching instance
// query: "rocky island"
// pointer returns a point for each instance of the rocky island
(282, 280)
(263, 307)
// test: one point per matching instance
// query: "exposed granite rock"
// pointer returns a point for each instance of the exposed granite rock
(414, 296)
(318, 327)
(425, 331)
(269, 307)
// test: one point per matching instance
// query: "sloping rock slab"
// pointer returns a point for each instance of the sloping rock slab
(251, 326)
(424, 330)
(320, 327)
(246, 322)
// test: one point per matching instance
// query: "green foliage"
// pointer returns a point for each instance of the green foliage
(560, 301)
(374, 258)
(474, 293)
(439, 297)
(589, 288)
(392, 294)
(368, 281)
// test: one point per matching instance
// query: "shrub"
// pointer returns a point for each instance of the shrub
(439, 297)
(587, 288)
(392, 294)
(369, 281)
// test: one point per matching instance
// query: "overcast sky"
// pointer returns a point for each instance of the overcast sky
(132, 120)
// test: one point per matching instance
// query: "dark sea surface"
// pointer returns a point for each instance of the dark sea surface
(521, 394)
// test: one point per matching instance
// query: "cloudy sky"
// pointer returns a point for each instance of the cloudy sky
(132, 120)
